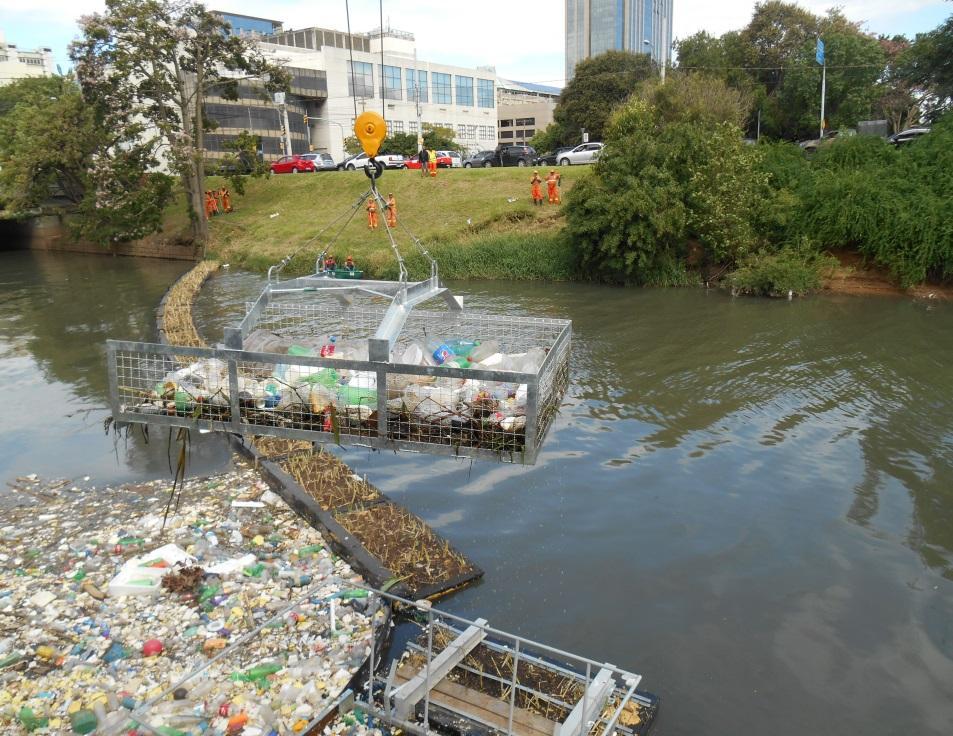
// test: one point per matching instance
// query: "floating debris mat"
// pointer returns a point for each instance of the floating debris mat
(474, 689)
(390, 546)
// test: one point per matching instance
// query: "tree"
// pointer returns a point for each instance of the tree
(155, 60)
(674, 177)
(439, 138)
(928, 64)
(599, 85)
(899, 100)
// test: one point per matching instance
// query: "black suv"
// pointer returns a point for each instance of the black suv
(515, 156)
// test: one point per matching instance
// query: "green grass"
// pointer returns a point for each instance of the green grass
(503, 239)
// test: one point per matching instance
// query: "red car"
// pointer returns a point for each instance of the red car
(292, 165)
(443, 162)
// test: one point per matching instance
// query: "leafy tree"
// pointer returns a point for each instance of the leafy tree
(599, 85)
(548, 139)
(155, 60)
(674, 177)
(899, 100)
(54, 143)
(439, 138)
(242, 160)
(928, 64)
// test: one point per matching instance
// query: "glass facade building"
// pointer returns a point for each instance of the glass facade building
(596, 26)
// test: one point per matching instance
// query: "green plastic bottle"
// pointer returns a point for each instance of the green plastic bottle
(83, 721)
(258, 674)
(29, 720)
(348, 595)
(311, 549)
(254, 571)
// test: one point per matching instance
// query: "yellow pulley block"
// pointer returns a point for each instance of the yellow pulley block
(370, 130)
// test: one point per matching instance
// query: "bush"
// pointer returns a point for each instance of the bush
(665, 179)
(797, 270)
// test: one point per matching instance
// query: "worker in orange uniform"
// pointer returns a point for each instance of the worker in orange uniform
(391, 210)
(226, 199)
(211, 205)
(536, 189)
(371, 214)
(433, 163)
(552, 185)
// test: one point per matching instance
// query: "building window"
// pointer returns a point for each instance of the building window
(397, 126)
(441, 88)
(390, 78)
(412, 126)
(360, 79)
(525, 121)
(461, 132)
(506, 134)
(530, 133)
(506, 123)
(485, 92)
(421, 81)
(471, 133)
(464, 90)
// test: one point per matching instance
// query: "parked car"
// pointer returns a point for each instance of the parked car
(456, 160)
(322, 161)
(292, 165)
(390, 161)
(585, 153)
(481, 160)
(905, 136)
(444, 161)
(812, 145)
(552, 158)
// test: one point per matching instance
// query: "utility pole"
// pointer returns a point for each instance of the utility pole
(283, 121)
(416, 73)
(819, 56)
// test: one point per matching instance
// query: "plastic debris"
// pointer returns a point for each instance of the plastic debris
(76, 658)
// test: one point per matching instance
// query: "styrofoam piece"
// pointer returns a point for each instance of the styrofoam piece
(236, 564)
(171, 554)
(137, 581)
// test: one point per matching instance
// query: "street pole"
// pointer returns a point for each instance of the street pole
(823, 94)
(416, 73)
(284, 112)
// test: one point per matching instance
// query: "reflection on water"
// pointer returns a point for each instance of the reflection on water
(56, 312)
(748, 501)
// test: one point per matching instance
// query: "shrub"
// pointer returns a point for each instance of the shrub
(798, 270)
(665, 179)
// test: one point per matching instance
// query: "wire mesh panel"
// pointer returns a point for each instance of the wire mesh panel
(456, 383)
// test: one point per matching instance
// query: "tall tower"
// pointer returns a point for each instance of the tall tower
(596, 26)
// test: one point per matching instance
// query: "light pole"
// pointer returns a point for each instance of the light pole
(649, 44)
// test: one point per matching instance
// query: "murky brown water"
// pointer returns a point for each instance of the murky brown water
(749, 502)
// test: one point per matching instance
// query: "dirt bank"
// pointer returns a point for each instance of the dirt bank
(854, 276)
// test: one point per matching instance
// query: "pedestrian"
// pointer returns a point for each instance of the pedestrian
(349, 264)
(226, 200)
(536, 189)
(371, 214)
(433, 163)
(552, 184)
(330, 265)
(424, 158)
(391, 210)
(211, 206)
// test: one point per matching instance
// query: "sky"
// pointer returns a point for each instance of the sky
(524, 40)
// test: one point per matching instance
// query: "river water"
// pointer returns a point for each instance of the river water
(749, 502)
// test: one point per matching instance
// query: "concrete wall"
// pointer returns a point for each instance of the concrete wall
(51, 233)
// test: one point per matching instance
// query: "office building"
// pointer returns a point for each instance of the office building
(523, 109)
(326, 89)
(596, 26)
(18, 63)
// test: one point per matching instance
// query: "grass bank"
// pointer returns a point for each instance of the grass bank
(478, 223)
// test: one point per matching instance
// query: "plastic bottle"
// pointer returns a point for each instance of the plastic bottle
(462, 348)
(327, 350)
(29, 720)
(84, 721)
(258, 674)
(484, 350)
(439, 351)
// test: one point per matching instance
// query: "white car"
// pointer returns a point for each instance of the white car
(586, 153)
(456, 160)
(390, 161)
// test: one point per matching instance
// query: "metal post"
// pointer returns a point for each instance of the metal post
(233, 395)
(583, 726)
(823, 94)
(371, 663)
(429, 657)
(516, 663)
